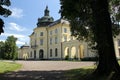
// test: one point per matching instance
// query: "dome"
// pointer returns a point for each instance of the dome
(25, 45)
(46, 19)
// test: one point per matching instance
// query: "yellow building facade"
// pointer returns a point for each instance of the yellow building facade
(24, 52)
(52, 40)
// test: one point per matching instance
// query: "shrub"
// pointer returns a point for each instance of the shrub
(90, 59)
(66, 57)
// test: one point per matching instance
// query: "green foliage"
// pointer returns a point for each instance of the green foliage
(8, 48)
(79, 74)
(5, 2)
(90, 59)
(4, 12)
(8, 66)
(2, 49)
(86, 74)
(80, 15)
(115, 16)
(95, 21)
(1, 26)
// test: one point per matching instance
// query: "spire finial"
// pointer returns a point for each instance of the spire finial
(47, 7)
(46, 11)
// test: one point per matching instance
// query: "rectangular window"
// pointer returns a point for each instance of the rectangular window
(56, 31)
(65, 30)
(65, 38)
(41, 41)
(41, 33)
(35, 42)
(50, 32)
(50, 40)
(56, 40)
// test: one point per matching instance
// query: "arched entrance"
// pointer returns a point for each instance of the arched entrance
(81, 51)
(41, 54)
(73, 52)
(66, 52)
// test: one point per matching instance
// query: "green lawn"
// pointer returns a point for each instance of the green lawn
(8, 66)
(80, 74)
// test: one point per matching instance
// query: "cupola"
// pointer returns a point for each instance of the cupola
(46, 19)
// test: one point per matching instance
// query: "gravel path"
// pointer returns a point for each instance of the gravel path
(43, 70)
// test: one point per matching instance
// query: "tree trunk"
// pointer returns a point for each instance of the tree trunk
(103, 36)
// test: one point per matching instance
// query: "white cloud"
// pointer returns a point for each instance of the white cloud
(15, 35)
(21, 39)
(16, 12)
(20, 42)
(16, 27)
(2, 40)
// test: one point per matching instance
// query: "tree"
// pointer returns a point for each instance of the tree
(10, 47)
(2, 49)
(4, 12)
(91, 20)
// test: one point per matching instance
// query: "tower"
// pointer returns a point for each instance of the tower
(46, 19)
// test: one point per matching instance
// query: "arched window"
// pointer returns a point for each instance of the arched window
(50, 52)
(41, 54)
(56, 52)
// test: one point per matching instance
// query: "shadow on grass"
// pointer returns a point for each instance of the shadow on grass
(83, 74)
(34, 75)
(87, 74)
(75, 74)
(78, 74)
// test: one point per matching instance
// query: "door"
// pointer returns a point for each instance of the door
(41, 54)
(34, 54)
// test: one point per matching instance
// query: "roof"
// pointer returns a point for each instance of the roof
(46, 19)
(25, 45)
(63, 21)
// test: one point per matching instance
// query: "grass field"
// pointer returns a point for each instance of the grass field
(79, 74)
(8, 66)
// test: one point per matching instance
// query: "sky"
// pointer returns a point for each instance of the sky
(25, 14)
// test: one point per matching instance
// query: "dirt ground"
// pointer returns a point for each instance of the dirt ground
(43, 70)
